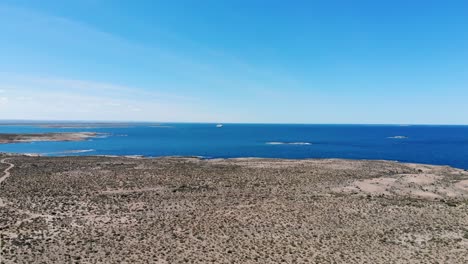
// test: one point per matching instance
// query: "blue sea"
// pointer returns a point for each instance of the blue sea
(441, 145)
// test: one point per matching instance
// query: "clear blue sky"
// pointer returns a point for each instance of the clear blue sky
(399, 61)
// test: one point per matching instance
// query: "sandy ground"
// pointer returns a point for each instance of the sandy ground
(6, 174)
(21, 138)
(186, 210)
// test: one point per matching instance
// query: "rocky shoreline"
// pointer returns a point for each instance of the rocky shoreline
(189, 210)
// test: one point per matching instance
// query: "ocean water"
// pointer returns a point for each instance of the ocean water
(441, 145)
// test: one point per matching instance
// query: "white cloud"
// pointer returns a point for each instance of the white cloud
(135, 109)
(55, 99)
(113, 104)
(16, 82)
(3, 101)
(24, 98)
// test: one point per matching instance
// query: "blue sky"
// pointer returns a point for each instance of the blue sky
(264, 61)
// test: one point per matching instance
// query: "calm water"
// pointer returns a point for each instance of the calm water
(444, 145)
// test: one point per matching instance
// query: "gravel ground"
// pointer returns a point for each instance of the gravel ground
(186, 210)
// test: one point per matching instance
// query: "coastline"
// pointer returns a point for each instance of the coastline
(136, 156)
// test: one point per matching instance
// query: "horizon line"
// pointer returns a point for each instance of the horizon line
(44, 121)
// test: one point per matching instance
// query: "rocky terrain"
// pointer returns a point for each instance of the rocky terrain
(187, 210)
(21, 138)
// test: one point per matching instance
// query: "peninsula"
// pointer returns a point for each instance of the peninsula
(21, 138)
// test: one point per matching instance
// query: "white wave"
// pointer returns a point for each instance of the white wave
(77, 151)
(398, 137)
(289, 143)
(102, 136)
(134, 156)
(32, 154)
